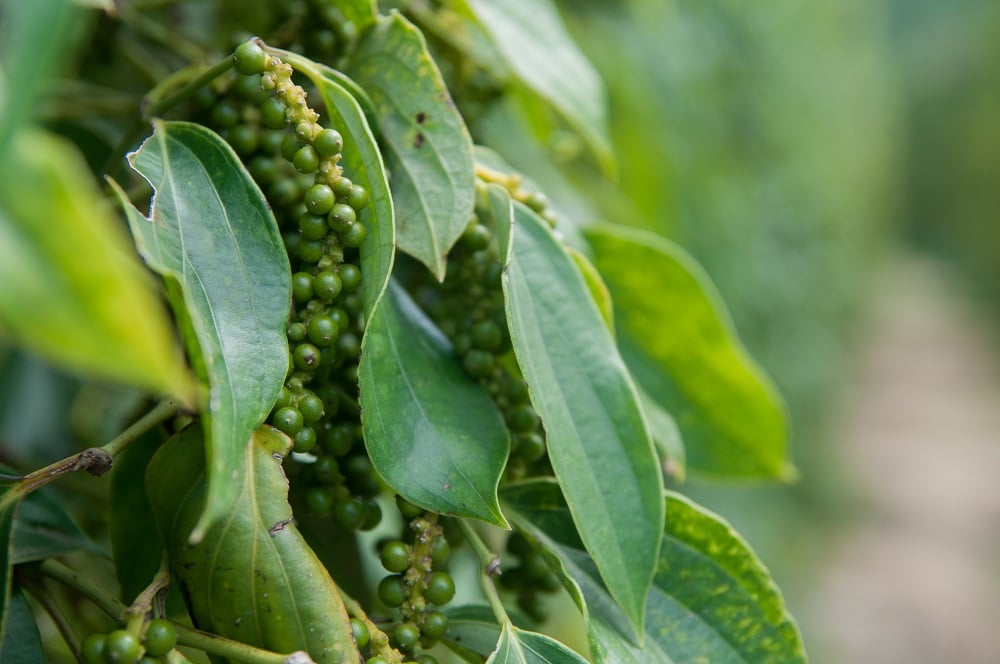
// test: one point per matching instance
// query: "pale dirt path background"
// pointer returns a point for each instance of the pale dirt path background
(917, 578)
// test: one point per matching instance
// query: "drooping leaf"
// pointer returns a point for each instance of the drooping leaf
(531, 38)
(426, 145)
(679, 342)
(598, 442)
(518, 646)
(71, 288)
(433, 433)
(212, 235)
(21, 643)
(252, 577)
(712, 599)
(362, 162)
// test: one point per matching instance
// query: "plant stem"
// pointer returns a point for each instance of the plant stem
(161, 413)
(56, 570)
(223, 647)
(95, 460)
(489, 563)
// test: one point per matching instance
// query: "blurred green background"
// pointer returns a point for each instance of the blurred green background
(798, 150)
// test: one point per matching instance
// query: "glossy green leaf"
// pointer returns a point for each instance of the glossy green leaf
(518, 646)
(531, 38)
(426, 145)
(71, 288)
(433, 433)
(21, 643)
(212, 234)
(252, 564)
(598, 442)
(472, 630)
(712, 599)
(362, 163)
(679, 342)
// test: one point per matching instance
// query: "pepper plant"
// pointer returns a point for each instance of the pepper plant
(386, 401)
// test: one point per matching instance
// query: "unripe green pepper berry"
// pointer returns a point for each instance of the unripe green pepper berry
(319, 501)
(121, 646)
(322, 330)
(435, 624)
(249, 58)
(350, 276)
(302, 287)
(289, 146)
(357, 197)
(440, 588)
(392, 591)
(305, 440)
(486, 335)
(478, 363)
(342, 186)
(361, 634)
(288, 420)
(349, 514)
(310, 251)
(355, 235)
(305, 160)
(476, 237)
(342, 216)
(405, 636)
(312, 226)
(244, 138)
(306, 357)
(272, 114)
(530, 447)
(283, 192)
(319, 199)
(92, 649)
(225, 114)
(408, 509)
(311, 407)
(328, 142)
(327, 285)
(160, 637)
(395, 556)
(522, 419)
(339, 439)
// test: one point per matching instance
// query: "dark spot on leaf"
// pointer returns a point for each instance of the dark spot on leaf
(421, 116)
(419, 140)
(279, 526)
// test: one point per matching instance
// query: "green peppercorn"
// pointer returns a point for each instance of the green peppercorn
(395, 556)
(121, 646)
(354, 235)
(319, 199)
(319, 501)
(349, 514)
(342, 216)
(272, 114)
(305, 159)
(435, 624)
(342, 186)
(160, 637)
(357, 197)
(305, 440)
(440, 588)
(306, 357)
(478, 363)
(405, 636)
(327, 285)
(288, 420)
(328, 142)
(350, 276)
(312, 226)
(361, 633)
(249, 58)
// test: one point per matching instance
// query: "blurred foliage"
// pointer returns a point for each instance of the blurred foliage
(949, 68)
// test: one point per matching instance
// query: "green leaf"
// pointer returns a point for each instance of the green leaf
(362, 163)
(10, 500)
(712, 599)
(21, 643)
(426, 145)
(666, 436)
(517, 646)
(598, 441)
(433, 433)
(43, 529)
(361, 13)
(598, 289)
(135, 544)
(679, 342)
(531, 38)
(71, 288)
(252, 577)
(212, 234)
